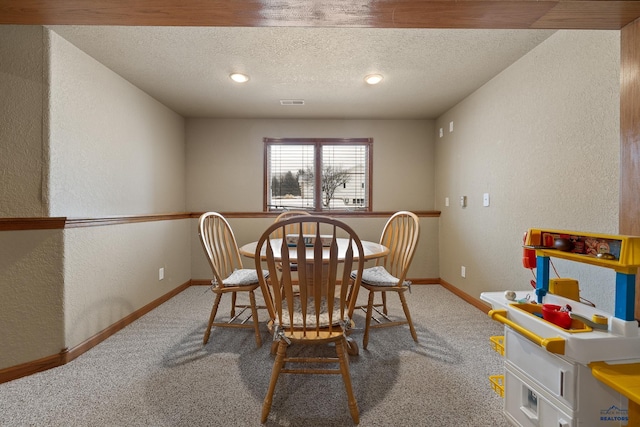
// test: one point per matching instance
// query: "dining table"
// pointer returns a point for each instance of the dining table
(372, 250)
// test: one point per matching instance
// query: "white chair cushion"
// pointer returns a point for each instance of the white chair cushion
(378, 276)
(243, 277)
(311, 314)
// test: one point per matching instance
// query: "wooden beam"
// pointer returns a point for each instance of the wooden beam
(629, 212)
(516, 14)
(590, 15)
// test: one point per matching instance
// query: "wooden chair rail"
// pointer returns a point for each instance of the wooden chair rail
(55, 223)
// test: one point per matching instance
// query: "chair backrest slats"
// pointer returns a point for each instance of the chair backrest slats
(400, 234)
(307, 228)
(324, 263)
(219, 244)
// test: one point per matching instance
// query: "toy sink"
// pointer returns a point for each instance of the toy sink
(536, 310)
(582, 343)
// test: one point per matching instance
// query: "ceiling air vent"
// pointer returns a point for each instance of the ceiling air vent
(292, 102)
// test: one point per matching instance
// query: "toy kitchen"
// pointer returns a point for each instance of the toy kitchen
(567, 363)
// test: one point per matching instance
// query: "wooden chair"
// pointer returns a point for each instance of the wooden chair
(229, 276)
(317, 311)
(293, 228)
(400, 234)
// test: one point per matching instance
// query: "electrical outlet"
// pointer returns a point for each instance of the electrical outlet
(161, 273)
(463, 271)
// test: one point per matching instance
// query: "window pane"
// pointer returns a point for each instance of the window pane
(290, 177)
(344, 177)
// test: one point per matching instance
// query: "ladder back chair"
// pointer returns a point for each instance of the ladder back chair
(316, 310)
(400, 234)
(229, 276)
(292, 229)
(307, 227)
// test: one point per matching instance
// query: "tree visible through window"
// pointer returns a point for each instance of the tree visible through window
(343, 184)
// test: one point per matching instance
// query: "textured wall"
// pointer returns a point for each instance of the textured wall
(111, 150)
(31, 284)
(225, 173)
(114, 151)
(218, 150)
(22, 147)
(112, 271)
(543, 139)
(31, 262)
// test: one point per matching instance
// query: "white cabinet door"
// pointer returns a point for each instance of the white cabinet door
(527, 406)
(552, 373)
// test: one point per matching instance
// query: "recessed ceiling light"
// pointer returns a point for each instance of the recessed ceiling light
(239, 78)
(373, 79)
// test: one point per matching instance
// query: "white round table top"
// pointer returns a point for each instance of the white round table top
(372, 250)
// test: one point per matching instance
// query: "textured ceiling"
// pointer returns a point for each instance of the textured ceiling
(427, 71)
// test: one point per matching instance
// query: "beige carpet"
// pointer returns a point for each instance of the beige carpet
(156, 372)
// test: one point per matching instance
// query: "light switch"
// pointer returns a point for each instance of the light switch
(463, 201)
(441, 133)
(485, 199)
(446, 201)
(450, 126)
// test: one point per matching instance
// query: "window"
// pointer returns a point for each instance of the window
(318, 174)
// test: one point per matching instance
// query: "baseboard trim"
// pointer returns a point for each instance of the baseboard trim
(465, 296)
(424, 281)
(67, 355)
(25, 369)
(122, 323)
